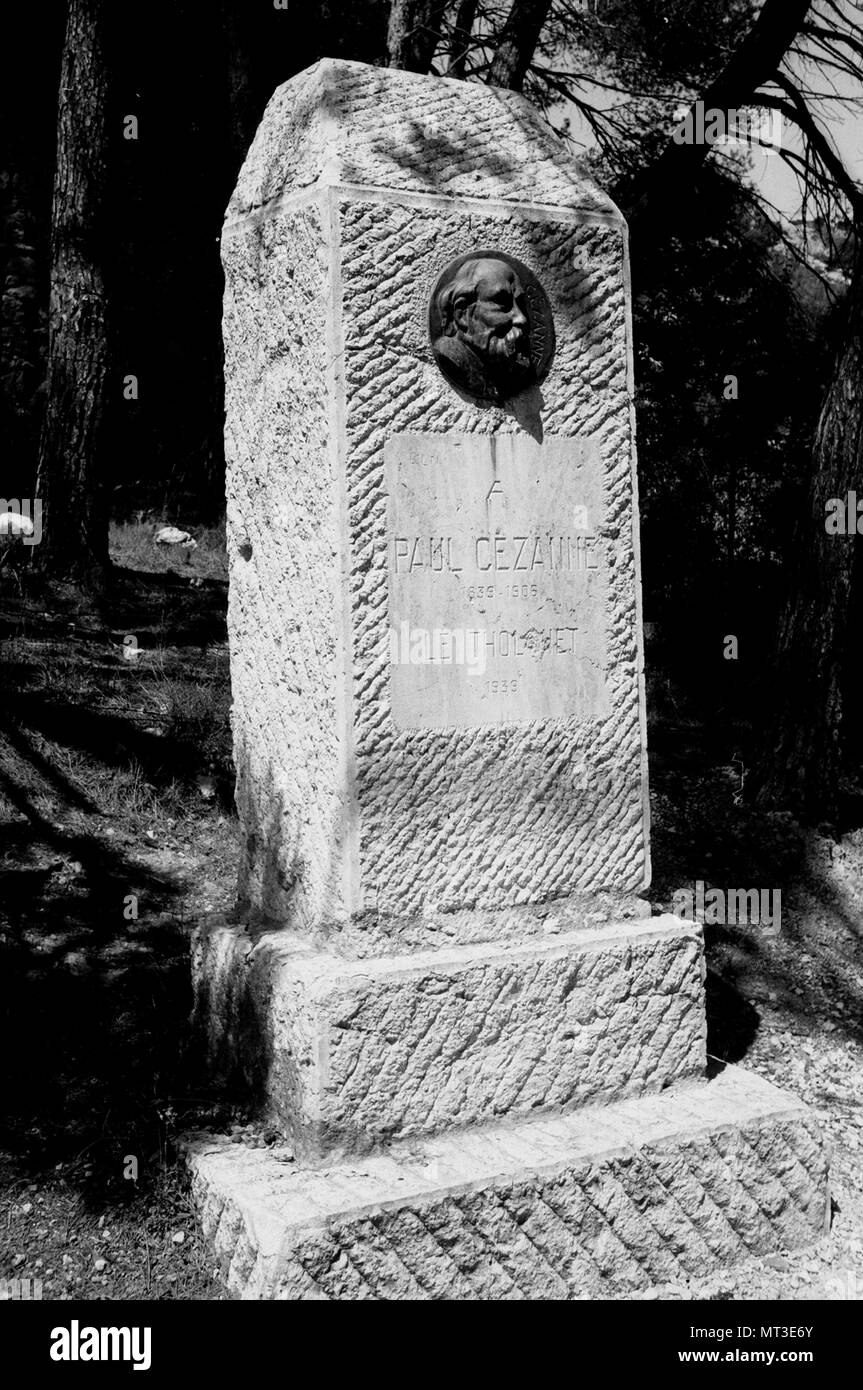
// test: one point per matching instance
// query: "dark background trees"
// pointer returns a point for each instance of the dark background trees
(726, 473)
(116, 774)
(70, 477)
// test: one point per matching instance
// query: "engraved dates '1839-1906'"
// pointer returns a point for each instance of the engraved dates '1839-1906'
(491, 326)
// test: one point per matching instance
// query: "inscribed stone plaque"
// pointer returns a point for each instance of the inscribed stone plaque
(497, 580)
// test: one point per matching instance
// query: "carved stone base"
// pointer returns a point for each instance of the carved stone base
(600, 1202)
(347, 1054)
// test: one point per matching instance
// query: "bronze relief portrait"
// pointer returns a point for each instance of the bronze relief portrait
(491, 326)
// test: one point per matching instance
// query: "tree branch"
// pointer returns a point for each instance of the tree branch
(460, 38)
(749, 67)
(817, 140)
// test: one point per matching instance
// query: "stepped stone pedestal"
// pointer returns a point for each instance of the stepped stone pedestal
(486, 1057)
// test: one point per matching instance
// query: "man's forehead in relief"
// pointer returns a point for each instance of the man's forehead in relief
(481, 277)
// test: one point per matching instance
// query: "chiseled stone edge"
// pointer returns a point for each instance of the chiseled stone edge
(598, 1202)
(355, 122)
(345, 828)
(346, 1054)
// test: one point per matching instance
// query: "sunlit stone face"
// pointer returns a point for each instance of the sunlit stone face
(484, 346)
(493, 318)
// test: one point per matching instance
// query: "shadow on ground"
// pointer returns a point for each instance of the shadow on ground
(705, 831)
(114, 780)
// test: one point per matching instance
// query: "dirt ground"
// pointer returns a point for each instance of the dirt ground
(788, 1007)
(117, 836)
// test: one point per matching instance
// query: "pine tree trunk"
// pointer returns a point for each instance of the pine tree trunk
(70, 482)
(413, 34)
(802, 766)
(461, 36)
(517, 45)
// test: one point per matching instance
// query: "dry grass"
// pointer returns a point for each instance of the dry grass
(116, 838)
(132, 547)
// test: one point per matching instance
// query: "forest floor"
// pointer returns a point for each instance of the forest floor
(117, 836)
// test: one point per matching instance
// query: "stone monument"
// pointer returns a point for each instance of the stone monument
(486, 1059)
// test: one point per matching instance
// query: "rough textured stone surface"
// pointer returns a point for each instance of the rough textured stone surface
(284, 547)
(357, 1053)
(596, 1203)
(441, 875)
(489, 815)
(328, 358)
(392, 130)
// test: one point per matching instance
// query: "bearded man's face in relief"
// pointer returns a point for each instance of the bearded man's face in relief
(486, 308)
